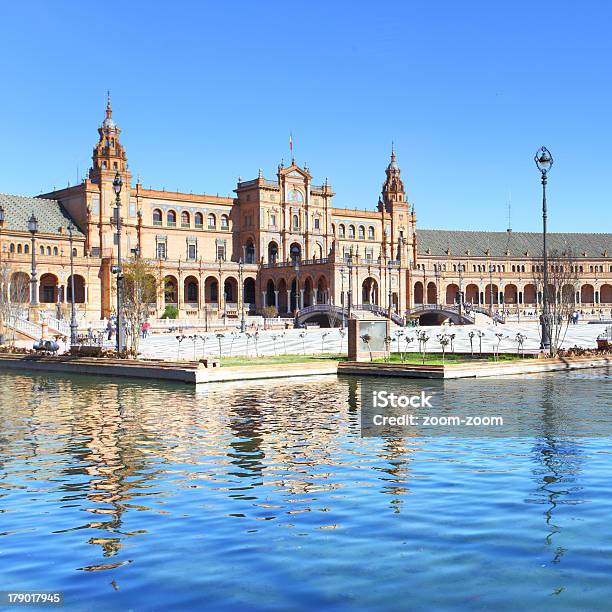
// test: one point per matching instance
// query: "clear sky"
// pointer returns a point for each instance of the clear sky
(208, 91)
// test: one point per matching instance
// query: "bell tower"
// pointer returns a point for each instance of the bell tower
(393, 193)
(108, 155)
(109, 159)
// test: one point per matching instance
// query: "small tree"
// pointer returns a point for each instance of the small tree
(233, 335)
(170, 312)
(268, 312)
(423, 338)
(220, 337)
(255, 340)
(443, 339)
(179, 339)
(323, 336)
(407, 340)
(342, 335)
(388, 340)
(139, 292)
(560, 293)
(481, 335)
(471, 337)
(520, 341)
(366, 339)
(398, 334)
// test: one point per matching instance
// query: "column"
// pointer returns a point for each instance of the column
(263, 298)
(288, 300)
(276, 298)
(301, 299)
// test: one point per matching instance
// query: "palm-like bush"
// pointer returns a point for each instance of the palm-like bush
(220, 337)
(323, 336)
(180, 341)
(366, 339)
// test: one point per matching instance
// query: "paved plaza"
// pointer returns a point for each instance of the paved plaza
(313, 341)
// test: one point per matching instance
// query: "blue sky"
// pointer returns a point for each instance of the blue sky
(209, 91)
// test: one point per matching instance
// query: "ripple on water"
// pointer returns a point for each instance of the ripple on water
(265, 496)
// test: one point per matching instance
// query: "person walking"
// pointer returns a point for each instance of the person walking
(109, 329)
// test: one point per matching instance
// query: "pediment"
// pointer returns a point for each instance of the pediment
(295, 172)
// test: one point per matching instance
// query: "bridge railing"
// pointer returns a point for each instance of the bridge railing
(442, 308)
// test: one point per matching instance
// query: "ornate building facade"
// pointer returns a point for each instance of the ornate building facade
(297, 249)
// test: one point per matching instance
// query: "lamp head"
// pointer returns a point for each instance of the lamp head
(33, 224)
(543, 160)
(117, 184)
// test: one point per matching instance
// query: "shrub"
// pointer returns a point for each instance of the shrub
(268, 312)
(171, 312)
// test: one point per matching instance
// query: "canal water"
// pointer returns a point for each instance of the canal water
(146, 496)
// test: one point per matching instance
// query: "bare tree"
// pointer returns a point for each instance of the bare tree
(560, 293)
(139, 293)
(5, 274)
(14, 297)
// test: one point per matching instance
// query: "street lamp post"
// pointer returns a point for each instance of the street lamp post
(544, 162)
(350, 289)
(342, 273)
(461, 268)
(491, 269)
(33, 229)
(390, 270)
(242, 319)
(297, 289)
(1, 227)
(117, 184)
(73, 321)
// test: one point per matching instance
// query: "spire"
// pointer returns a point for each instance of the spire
(108, 155)
(108, 120)
(393, 187)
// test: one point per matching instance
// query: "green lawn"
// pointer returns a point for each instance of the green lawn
(450, 358)
(279, 359)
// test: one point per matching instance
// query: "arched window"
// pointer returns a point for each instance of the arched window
(171, 218)
(212, 221)
(157, 217)
(272, 252)
(26, 248)
(19, 248)
(295, 252)
(361, 232)
(370, 233)
(224, 222)
(199, 220)
(249, 252)
(74, 252)
(48, 250)
(55, 251)
(12, 248)
(185, 219)
(342, 231)
(42, 249)
(351, 231)
(333, 229)
(296, 222)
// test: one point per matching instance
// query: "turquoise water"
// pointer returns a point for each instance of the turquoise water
(265, 496)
